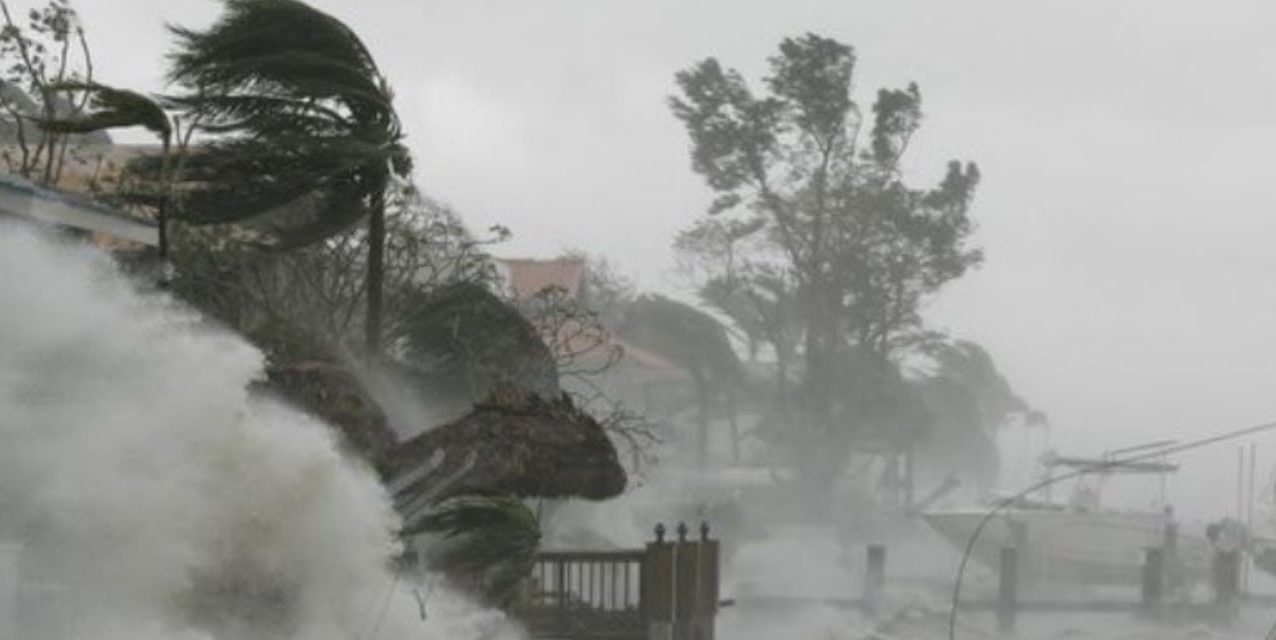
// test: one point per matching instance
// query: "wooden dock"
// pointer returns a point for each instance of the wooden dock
(1149, 602)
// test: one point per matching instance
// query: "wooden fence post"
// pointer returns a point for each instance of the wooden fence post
(875, 579)
(685, 585)
(707, 585)
(656, 592)
(1153, 581)
(1006, 593)
(678, 597)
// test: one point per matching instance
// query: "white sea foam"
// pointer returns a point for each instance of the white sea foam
(155, 498)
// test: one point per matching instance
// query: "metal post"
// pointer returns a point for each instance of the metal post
(1006, 596)
(1240, 483)
(1019, 540)
(1249, 513)
(1153, 581)
(875, 579)
(1226, 584)
(909, 474)
(1172, 565)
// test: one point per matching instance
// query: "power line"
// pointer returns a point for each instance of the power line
(1101, 466)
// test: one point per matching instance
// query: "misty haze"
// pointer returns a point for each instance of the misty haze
(603, 320)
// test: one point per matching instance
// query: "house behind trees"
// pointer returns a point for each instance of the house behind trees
(643, 381)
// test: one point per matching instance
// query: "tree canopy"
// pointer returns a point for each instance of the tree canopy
(811, 201)
(691, 338)
(968, 400)
(47, 49)
(468, 339)
(305, 139)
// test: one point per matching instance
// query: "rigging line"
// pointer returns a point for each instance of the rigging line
(1101, 466)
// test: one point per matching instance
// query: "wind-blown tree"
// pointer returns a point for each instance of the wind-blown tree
(318, 292)
(306, 140)
(695, 341)
(579, 331)
(714, 253)
(759, 298)
(969, 400)
(111, 108)
(461, 342)
(687, 335)
(862, 248)
(972, 366)
(39, 50)
(475, 342)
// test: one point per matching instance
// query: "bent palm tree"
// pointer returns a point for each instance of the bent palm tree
(108, 108)
(111, 108)
(308, 141)
(695, 341)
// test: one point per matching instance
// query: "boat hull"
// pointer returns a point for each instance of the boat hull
(1075, 547)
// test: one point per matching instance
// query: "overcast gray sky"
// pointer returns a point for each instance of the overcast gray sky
(1126, 146)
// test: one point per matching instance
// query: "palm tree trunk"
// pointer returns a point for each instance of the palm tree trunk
(702, 421)
(733, 421)
(165, 194)
(162, 220)
(376, 274)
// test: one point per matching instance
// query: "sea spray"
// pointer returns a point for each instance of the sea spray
(162, 499)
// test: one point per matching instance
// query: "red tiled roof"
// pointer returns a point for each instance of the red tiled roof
(528, 277)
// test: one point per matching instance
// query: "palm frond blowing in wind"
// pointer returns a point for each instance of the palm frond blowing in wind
(304, 131)
(111, 108)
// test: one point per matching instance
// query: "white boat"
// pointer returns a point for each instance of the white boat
(1079, 542)
(1069, 546)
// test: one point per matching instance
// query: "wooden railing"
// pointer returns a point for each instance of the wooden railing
(666, 590)
(581, 594)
